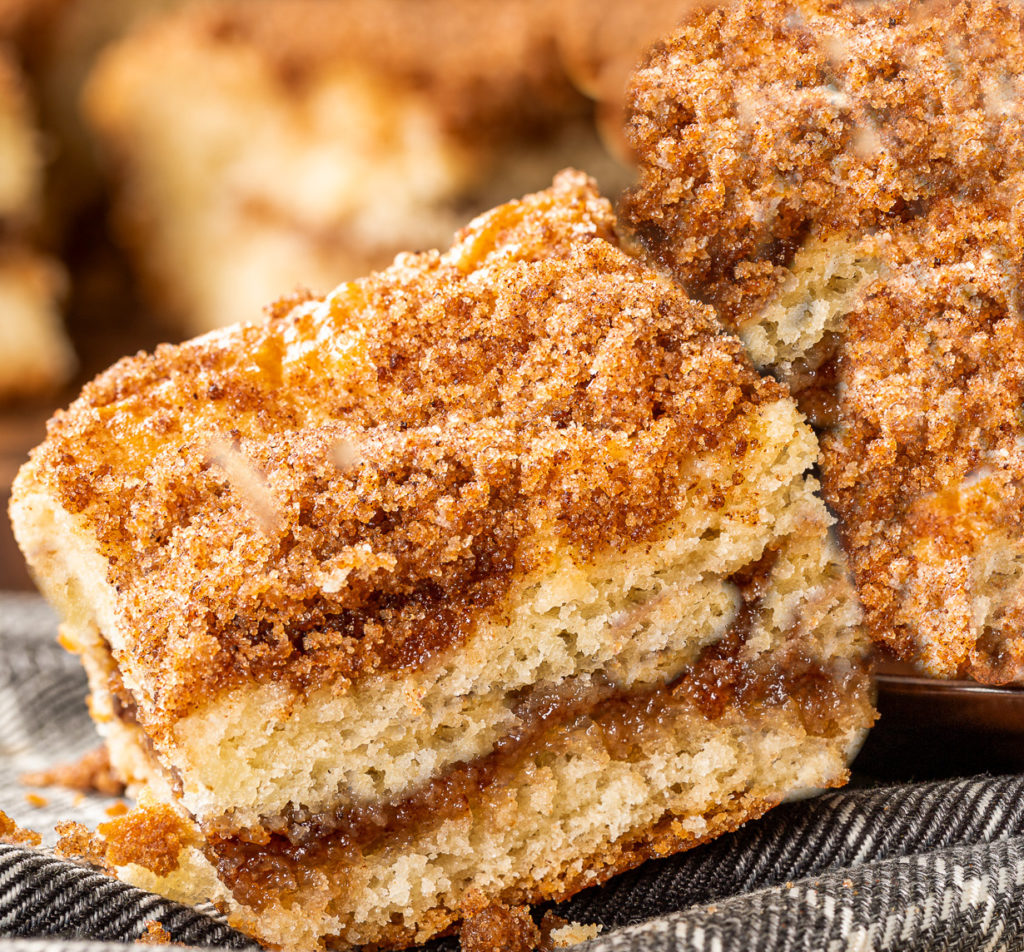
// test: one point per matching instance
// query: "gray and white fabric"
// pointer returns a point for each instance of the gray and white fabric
(936, 866)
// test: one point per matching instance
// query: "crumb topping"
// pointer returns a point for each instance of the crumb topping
(91, 773)
(899, 128)
(925, 466)
(760, 122)
(348, 486)
(13, 834)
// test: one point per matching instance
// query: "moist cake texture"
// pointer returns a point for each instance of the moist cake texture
(842, 182)
(257, 145)
(493, 573)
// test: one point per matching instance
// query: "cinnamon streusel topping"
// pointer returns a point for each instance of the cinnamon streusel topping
(891, 133)
(349, 486)
(763, 121)
(925, 465)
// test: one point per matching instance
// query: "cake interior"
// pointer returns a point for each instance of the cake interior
(593, 779)
(253, 756)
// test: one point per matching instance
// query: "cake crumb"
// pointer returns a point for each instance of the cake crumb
(500, 928)
(559, 933)
(573, 933)
(67, 642)
(13, 834)
(152, 838)
(156, 934)
(35, 800)
(75, 841)
(92, 773)
(117, 809)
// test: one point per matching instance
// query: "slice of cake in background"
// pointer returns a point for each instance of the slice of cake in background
(37, 356)
(480, 579)
(843, 182)
(257, 145)
(57, 42)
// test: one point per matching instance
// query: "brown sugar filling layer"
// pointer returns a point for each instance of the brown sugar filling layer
(261, 866)
(719, 685)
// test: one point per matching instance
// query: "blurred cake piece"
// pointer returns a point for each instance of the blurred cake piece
(843, 181)
(57, 43)
(489, 575)
(257, 145)
(36, 355)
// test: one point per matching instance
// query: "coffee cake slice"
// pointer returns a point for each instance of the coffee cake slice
(488, 575)
(843, 181)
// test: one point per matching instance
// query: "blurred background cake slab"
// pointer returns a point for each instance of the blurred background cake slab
(256, 145)
(36, 356)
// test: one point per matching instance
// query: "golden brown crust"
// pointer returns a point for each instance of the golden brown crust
(898, 128)
(348, 486)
